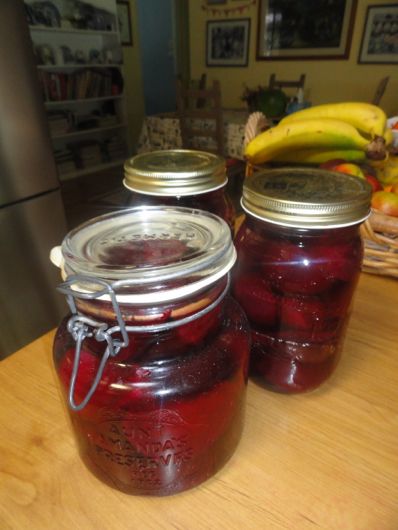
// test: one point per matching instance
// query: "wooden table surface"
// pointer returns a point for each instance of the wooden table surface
(325, 460)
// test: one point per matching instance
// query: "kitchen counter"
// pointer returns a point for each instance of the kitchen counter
(327, 459)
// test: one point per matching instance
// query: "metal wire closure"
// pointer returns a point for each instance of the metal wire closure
(82, 327)
(79, 328)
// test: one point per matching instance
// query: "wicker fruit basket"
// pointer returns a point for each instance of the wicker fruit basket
(380, 236)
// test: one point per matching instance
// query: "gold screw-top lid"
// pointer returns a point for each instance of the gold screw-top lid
(307, 197)
(175, 172)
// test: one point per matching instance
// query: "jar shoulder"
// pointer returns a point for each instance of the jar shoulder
(174, 361)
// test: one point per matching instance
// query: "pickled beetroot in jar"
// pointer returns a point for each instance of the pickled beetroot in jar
(180, 177)
(153, 359)
(299, 259)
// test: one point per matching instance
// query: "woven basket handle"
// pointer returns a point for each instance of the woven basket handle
(256, 124)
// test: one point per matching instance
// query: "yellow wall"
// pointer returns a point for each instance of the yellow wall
(326, 81)
(134, 95)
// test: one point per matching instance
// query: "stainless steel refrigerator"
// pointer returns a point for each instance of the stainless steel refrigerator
(32, 218)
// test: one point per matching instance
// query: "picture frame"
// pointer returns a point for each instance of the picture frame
(227, 42)
(124, 20)
(304, 30)
(379, 44)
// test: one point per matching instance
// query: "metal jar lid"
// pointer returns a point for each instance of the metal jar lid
(174, 172)
(150, 254)
(307, 197)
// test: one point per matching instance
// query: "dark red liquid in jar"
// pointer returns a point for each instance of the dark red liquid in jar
(217, 202)
(296, 287)
(168, 411)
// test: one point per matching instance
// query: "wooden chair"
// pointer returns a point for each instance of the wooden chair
(200, 104)
(199, 85)
(278, 83)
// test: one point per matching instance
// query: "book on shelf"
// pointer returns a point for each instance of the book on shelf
(82, 84)
(87, 153)
(108, 121)
(66, 167)
(65, 161)
(60, 122)
(63, 122)
(115, 148)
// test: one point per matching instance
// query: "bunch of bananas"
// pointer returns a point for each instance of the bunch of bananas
(353, 131)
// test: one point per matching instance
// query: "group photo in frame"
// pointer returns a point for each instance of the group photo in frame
(379, 43)
(319, 29)
(227, 42)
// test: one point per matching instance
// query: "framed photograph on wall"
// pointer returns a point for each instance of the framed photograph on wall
(227, 42)
(319, 29)
(380, 35)
(124, 19)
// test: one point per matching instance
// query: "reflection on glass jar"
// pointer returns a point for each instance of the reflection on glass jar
(299, 259)
(148, 289)
(180, 177)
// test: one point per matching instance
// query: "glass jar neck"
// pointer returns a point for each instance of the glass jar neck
(265, 228)
(172, 196)
(150, 317)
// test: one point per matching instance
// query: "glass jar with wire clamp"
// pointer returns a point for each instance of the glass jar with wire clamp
(153, 358)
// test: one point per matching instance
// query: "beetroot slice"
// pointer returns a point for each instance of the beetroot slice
(310, 269)
(197, 330)
(165, 450)
(296, 270)
(278, 369)
(342, 262)
(113, 389)
(301, 313)
(311, 352)
(88, 367)
(257, 299)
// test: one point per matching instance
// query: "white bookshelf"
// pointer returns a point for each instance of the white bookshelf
(88, 132)
(80, 93)
(84, 101)
(40, 28)
(94, 169)
(64, 67)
